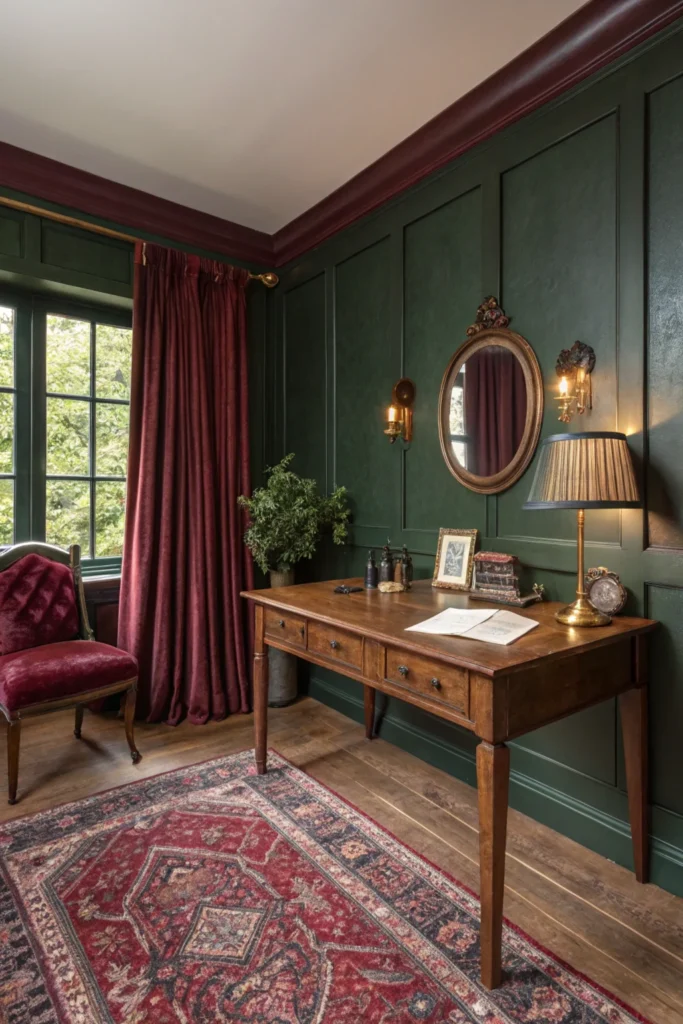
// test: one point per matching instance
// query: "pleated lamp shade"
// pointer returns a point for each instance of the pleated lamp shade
(592, 470)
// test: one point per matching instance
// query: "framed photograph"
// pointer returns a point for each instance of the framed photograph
(454, 559)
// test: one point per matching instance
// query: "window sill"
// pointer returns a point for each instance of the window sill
(101, 570)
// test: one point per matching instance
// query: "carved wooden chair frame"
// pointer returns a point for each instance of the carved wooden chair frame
(72, 558)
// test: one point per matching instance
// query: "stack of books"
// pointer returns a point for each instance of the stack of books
(497, 579)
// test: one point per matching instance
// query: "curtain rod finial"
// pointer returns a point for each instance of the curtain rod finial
(269, 279)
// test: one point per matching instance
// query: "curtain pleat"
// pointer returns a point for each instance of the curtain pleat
(184, 561)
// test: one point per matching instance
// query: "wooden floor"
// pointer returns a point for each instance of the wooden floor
(588, 911)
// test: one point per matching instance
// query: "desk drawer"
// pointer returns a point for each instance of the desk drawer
(335, 644)
(433, 679)
(282, 626)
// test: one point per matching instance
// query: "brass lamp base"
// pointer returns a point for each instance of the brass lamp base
(582, 613)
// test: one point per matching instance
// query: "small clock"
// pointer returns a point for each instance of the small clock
(605, 590)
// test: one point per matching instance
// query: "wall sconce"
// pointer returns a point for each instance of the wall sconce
(400, 412)
(574, 368)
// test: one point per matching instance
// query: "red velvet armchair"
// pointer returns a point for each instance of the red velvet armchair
(48, 657)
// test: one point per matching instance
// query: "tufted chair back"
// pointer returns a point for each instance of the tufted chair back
(41, 597)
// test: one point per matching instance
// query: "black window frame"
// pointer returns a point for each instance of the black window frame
(30, 439)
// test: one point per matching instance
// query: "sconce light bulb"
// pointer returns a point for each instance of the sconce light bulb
(564, 386)
(393, 414)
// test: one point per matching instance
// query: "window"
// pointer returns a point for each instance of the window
(456, 420)
(67, 374)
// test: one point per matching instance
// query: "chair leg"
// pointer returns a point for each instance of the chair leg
(79, 721)
(129, 719)
(13, 738)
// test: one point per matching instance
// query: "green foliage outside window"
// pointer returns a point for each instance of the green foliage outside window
(86, 421)
(288, 516)
(69, 425)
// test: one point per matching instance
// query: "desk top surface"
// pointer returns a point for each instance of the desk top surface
(384, 617)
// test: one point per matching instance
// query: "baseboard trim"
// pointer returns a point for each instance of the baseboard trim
(605, 834)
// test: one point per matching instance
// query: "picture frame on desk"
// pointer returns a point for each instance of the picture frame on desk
(455, 559)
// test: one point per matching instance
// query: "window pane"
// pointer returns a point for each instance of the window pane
(68, 355)
(6, 347)
(113, 360)
(6, 432)
(67, 514)
(111, 439)
(6, 511)
(110, 510)
(68, 436)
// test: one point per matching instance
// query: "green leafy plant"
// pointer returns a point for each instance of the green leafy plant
(288, 516)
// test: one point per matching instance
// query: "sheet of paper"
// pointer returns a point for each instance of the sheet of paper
(453, 621)
(501, 628)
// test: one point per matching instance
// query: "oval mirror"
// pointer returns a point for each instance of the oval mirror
(490, 409)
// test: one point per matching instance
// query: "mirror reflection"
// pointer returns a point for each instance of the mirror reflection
(488, 411)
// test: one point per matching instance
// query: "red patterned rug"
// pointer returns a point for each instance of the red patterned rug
(211, 894)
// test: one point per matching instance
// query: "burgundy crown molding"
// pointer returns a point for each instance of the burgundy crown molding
(47, 179)
(594, 35)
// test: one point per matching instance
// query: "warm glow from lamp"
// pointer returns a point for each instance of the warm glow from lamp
(563, 386)
(400, 413)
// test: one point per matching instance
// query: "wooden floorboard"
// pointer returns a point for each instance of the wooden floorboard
(588, 911)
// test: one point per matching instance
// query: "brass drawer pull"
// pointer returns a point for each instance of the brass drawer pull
(403, 669)
(334, 644)
(436, 684)
(281, 622)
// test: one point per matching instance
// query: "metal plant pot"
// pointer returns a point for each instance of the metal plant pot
(282, 667)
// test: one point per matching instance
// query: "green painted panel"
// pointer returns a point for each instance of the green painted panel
(666, 696)
(81, 251)
(584, 742)
(304, 358)
(11, 233)
(367, 364)
(559, 224)
(664, 363)
(442, 289)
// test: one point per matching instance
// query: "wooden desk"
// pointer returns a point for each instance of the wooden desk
(496, 692)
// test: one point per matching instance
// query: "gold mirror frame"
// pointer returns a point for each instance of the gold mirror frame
(533, 379)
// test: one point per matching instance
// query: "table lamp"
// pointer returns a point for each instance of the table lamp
(591, 470)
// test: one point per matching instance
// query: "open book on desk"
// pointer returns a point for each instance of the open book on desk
(494, 627)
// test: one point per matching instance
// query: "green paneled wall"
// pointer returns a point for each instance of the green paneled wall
(46, 256)
(574, 217)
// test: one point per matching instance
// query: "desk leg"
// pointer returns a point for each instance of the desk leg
(493, 773)
(260, 694)
(633, 708)
(369, 702)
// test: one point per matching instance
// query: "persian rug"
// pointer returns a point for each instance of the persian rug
(212, 894)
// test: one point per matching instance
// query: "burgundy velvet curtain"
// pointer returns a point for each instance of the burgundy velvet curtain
(495, 409)
(184, 561)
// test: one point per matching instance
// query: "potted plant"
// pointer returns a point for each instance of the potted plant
(287, 518)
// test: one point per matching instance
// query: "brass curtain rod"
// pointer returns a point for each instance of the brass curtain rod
(269, 279)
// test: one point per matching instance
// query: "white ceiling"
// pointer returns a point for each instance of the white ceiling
(252, 110)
